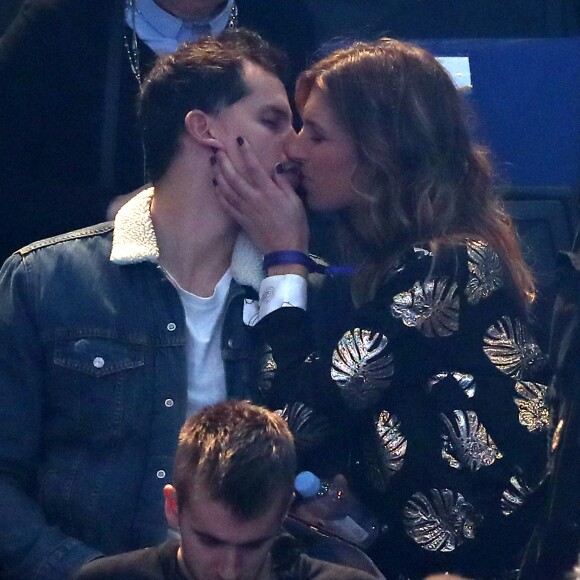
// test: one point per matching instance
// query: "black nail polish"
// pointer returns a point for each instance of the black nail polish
(214, 181)
(240, 141)
(279, 168)
(213, 159)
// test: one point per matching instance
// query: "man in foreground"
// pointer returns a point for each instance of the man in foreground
(233, 483)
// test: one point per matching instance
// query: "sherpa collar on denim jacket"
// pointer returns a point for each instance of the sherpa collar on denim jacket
(134, 241)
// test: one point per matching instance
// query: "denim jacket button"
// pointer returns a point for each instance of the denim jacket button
(171, 326)
(231, 343)
(169, 402)
(161, 474)
(98, 362)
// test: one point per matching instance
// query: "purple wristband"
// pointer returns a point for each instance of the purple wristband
(295, 257)
(288, 257)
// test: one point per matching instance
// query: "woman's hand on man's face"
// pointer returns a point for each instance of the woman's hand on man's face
(267, 208)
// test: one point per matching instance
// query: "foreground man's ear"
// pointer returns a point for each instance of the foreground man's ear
(171, 512)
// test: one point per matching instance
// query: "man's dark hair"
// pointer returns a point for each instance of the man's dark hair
(241, 454)
(206, 75)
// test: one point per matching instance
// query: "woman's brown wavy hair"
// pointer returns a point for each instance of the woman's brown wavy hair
(421, 178)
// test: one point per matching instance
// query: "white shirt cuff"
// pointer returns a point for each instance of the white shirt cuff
(276, 292)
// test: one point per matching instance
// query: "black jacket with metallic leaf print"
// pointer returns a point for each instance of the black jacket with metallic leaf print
(437, 400)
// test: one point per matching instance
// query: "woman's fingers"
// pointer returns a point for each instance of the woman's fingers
(253, 174)
(254, 187)
(267, 208)
(228, 199)
(233, 184)
(254, 170)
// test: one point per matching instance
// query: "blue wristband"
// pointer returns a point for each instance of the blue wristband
(288, 257)
(295, 257)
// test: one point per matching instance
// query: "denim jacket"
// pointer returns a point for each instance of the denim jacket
(93, 391)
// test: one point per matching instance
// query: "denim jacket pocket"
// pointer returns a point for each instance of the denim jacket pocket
(98, 389)
(97, 357)
(98, 398)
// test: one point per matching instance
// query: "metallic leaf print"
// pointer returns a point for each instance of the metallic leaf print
(383, 453)
(442, 524)
(308, 428)
(431, 307)
(422, 252)
(514, 496)
(392, 444)
(312, 358)
(362, 367)
(465, 381)
(467, 443)
(510, 348)
(268, 368)
(485, 271)
(531, 401)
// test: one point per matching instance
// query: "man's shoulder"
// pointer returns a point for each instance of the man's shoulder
(290, 560)
(99, 230)
(158, 562)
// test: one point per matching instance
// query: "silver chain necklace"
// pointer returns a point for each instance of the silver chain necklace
(132, 46)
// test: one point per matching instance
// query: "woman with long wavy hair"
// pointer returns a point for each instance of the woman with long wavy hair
(434, 383)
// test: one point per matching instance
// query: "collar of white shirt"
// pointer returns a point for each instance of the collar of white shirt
(163, 32)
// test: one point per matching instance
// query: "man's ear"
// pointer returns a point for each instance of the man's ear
(288, 504)
(199, 126)
(171, 511)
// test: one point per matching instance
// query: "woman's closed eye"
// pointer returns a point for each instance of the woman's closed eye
(312, 134)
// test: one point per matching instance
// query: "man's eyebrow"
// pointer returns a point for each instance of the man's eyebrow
(261, 540)
(217, 540)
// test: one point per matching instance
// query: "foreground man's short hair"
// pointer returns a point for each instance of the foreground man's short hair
(242, 455)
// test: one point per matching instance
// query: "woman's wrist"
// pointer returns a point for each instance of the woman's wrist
(288, 262)
(283, 269)
(297, 262)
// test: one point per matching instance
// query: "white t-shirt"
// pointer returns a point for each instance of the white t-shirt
(204, 320)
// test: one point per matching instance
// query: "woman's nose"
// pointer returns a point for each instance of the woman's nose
(293, 148)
